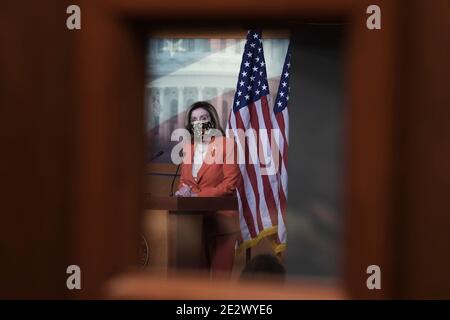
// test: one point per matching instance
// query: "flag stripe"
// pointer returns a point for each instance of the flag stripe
(250, 169)
(247, 196)
(270, 195)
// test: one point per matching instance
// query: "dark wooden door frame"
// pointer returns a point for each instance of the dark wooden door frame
(110, 65)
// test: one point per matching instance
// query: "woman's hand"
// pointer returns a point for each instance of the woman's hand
(184, 191)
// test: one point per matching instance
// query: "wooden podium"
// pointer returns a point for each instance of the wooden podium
(182, 219)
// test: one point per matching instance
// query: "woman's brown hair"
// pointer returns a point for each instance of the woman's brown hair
(212, 114)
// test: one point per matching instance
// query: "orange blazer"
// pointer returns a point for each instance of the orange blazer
(216, 178)
(219, 173)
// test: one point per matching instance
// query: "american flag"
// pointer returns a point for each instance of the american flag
(261, 196)
(280, 121)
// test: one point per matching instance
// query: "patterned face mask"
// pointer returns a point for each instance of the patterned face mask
(201, 127)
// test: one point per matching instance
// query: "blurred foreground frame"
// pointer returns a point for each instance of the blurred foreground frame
(87, 211)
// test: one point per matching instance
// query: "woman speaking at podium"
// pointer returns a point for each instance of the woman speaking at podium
(210, 169)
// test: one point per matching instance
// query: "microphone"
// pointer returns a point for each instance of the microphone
(158, 154)
(173, 179)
